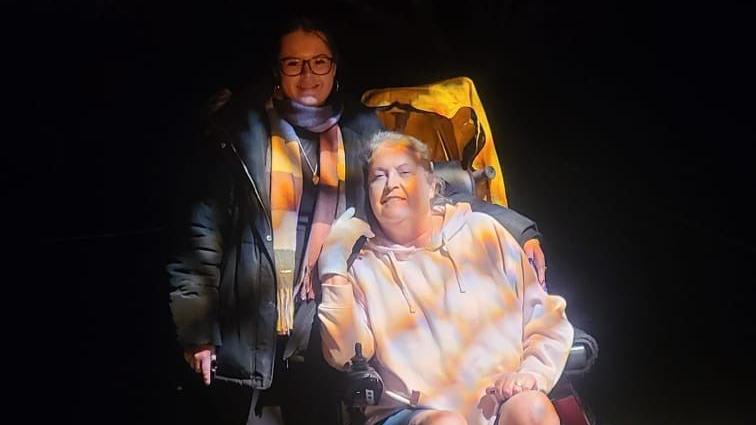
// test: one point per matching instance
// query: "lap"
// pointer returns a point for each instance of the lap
(401, 417)
(528, 407)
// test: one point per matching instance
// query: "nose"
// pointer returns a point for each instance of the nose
(306, 69)
(393, 180)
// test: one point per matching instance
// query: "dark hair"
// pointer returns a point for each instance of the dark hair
(308, 25)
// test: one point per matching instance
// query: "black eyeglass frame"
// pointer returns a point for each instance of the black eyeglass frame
(306, 62)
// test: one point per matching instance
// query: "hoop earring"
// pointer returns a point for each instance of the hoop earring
(338, 86)
(277, 90)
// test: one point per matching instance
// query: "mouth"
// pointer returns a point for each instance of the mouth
(391, 198)
(309, 88)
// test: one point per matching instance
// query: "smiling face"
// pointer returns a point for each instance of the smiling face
(306, 88)
(399, 188)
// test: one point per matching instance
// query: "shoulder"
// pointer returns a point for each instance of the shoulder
(478, 218)
(239, 110)
(461, 214)
(485, 226)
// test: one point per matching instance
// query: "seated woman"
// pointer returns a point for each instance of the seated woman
(444, 299)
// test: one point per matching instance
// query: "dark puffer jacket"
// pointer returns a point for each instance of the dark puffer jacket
(222, 276)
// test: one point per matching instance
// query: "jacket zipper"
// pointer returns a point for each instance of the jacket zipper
(252, 183)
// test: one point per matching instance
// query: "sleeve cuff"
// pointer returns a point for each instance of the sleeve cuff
(541, 381)
(196, 318)
(530, 233)
(334, 268)
(337, 296)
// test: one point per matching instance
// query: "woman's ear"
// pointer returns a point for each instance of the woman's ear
(434, 186)
(277, 83)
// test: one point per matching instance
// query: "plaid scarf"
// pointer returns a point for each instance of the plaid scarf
(286, 196)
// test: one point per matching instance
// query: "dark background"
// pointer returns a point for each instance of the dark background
(624, 129)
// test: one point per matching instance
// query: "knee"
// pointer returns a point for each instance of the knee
(528, 408)
(438, 417)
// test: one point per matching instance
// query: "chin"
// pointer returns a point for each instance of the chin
(310, 100)
(389, 218)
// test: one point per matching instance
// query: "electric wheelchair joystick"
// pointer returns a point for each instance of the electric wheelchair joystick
(364, 384)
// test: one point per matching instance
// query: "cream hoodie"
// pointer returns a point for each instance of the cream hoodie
(444, 320)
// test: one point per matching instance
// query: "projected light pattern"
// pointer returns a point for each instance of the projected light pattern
(446, 319)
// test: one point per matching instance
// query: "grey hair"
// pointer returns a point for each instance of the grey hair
(395, 138)
(417, 147)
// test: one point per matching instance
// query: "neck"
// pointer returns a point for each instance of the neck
(410, 233)
(316, 119)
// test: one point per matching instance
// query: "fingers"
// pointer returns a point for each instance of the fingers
(197, 361)
(360, 226)
(205, 365)
(530, 382)
(365, 229)
(507, 389)
(540, 263)
(354, 226)
(522, 383)
(537, 259)
(511, 384)
(503, 386)
(192, 361)
(201, 363)
(349, 223)
(346, 215)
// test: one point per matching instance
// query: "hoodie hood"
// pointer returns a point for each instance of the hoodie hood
(455, 218)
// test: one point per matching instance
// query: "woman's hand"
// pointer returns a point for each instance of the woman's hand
(337, 248)
(536, 257)
(508, 384)
(200, 359)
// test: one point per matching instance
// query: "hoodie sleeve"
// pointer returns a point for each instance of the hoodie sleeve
(344, 323)
(547, 335)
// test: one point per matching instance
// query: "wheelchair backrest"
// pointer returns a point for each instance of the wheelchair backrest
(447, 116)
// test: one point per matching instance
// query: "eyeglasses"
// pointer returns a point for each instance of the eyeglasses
(319, 65)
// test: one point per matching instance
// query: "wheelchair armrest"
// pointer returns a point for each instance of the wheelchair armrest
(583, 354)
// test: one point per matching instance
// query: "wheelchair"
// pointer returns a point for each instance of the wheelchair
(449, 118)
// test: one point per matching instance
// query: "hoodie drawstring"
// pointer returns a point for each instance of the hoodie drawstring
(398, 277)
(445, 251)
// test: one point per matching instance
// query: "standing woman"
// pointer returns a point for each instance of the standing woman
(243, 288)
